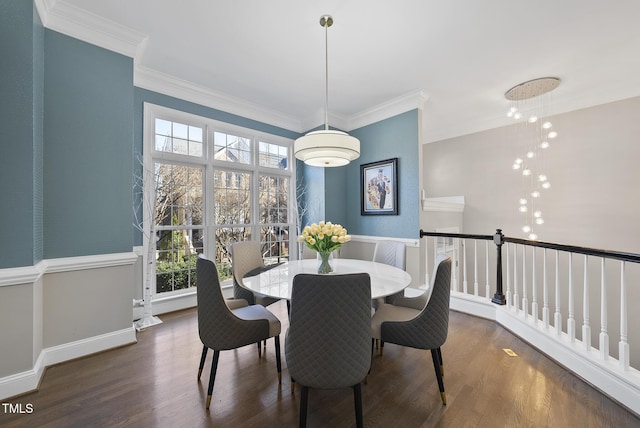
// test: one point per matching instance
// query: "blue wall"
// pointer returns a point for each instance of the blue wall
(88, 149)
(21, 103)
(396, 137)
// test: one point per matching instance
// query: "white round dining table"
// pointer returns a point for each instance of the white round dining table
(277, 281)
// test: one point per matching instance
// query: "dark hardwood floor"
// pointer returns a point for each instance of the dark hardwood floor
(153, 384)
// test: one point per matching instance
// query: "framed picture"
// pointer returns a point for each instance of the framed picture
(379, 187)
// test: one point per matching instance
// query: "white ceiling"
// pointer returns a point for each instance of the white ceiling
(456, 58)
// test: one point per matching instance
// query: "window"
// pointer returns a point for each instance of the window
(215, 184)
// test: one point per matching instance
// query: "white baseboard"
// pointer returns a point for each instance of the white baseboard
(29, 380)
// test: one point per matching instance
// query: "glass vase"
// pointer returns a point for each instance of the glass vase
(325, 261)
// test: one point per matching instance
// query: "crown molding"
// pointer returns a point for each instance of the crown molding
(78, 23)
(395, 106)
(83, 25)
(170, 85)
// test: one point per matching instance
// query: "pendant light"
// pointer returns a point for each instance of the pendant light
(326, 148)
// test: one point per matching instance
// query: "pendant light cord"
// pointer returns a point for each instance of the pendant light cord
(326, 74)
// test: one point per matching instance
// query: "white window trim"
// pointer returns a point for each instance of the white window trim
(150, 155)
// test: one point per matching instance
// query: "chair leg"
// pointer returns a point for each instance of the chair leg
(381, 348)
(259, 350)
(357, 399)
(278, 364)
(202, 359)
(212, 377)
(304, 398)
(436, 366)
(441, 362)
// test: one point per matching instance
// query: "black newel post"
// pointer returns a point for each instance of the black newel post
(499, 298)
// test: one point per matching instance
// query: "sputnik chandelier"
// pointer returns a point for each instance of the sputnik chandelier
(529, 102)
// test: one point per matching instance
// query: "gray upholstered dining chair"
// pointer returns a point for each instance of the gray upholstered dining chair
(245, 257)
(418, 302)
(328, 342)
(424, 328)
(222, 328)
(391, 253)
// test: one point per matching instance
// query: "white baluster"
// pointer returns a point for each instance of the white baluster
(487, 287)
(604, 336)
(586, 328)
(426, 261)
(454, 265)
(475, 267)
(508, 293)
(525, 299)
(557, 319)
(571, 322)
(623, 346)
(534, 286)
(545, 290)
(465, 287)
(516, 298)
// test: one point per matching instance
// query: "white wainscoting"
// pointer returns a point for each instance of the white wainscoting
(53, 295)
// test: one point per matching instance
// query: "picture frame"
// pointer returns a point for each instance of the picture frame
(379, 187)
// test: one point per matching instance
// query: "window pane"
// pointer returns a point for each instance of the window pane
(175, 137)
(272, 155)
(274, 199)
(163, 127)
(275, 243)
(180, 130)
(231, 148)
(178, 195)
(232, 197)
(176, 254)
(195, 134)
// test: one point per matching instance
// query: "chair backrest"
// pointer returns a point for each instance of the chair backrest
(245, 256)
(218, 327)
(429, 329)
(390, 253)
(328, 344)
